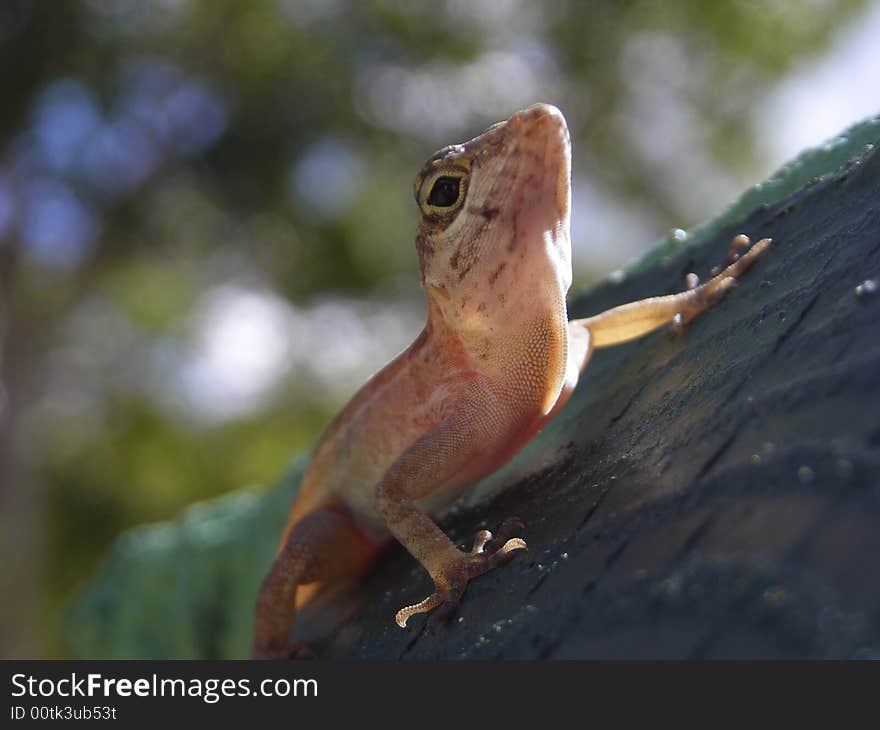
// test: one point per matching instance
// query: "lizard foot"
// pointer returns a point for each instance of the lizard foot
(487, 553)
(293, 650)
(703, 296)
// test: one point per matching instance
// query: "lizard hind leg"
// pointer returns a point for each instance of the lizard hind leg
(324, 546)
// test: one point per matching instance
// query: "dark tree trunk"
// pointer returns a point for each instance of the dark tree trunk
(715, 494)
(710, 495)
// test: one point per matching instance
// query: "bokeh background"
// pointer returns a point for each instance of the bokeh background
(206, 215)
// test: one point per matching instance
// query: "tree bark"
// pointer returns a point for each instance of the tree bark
(714, 494)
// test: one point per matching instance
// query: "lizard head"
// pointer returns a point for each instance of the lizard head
(494, 225)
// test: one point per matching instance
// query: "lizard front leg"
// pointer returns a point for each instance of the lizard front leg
(434, 459)
(629, 321)
(635, 319)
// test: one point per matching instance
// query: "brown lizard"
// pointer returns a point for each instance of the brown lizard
(496, 360)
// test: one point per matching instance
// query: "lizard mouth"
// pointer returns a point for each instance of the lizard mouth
(541, 115)
(518, 190)
(540, 161)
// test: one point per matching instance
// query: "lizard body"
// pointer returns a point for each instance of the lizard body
(496, 359)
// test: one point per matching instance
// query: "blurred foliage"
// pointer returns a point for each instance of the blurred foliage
(174, 170)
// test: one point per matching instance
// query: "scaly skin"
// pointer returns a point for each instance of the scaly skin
(497, 358)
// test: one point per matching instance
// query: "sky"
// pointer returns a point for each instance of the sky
(824, 95)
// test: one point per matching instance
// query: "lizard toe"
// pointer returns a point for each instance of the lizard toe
(508, 529)
(487, 554)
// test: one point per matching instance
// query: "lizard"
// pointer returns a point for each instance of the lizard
(497, 358)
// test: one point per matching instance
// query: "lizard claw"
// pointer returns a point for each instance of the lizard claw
(428, 604)
(724, 278)
(733, 253)
(509, 527)
(488, 553)
(481, 539)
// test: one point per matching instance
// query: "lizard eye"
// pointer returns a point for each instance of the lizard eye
(444, 192)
